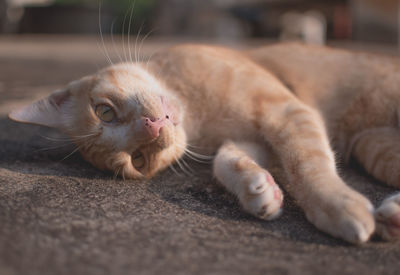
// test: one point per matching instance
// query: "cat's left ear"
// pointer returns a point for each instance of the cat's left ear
(49, 111)
(54, 110)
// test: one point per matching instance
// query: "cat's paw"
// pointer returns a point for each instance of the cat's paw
(387, 218)
(343, 213)
(261, 196)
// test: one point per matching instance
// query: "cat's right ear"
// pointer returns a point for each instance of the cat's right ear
(50, 111)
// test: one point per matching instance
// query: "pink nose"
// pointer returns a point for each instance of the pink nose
(153, 126)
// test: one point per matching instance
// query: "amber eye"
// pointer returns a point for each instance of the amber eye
(138, 160)
(105, 113)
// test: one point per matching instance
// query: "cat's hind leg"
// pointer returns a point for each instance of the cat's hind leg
(378, 151)
(237, 167)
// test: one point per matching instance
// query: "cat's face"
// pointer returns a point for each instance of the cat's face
(122, 119)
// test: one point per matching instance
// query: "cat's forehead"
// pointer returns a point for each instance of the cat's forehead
(126, 79)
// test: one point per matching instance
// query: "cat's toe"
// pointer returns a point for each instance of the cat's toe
(262, 197)
(387, 218)
(356, 231)
(259, 183)
(347, 215)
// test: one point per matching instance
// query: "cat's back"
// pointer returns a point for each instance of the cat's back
(319, 74)
(342, 85)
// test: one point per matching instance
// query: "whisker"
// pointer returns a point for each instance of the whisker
(116, 173)
(113, 42)
(55, 139)
(83, 143)
(194, 146)
(197, 160)
(136, 41)
(84, 139)
(194, 154)
(183, 168)
(123, 37)
(69, 139)
(70, 154)
(83, 136)
(187, 165)
(52, 148)
(141, 42)
(198, 155)
(174, 170)
(129, 30)
(102, 39)
(158, 69)
(148, 61)
(123, 174)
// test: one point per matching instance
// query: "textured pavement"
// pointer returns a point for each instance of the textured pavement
(65, 217)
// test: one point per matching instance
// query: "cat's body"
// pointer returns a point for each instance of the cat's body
(277, 102)
(352, 91)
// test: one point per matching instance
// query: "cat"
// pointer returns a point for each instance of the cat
(305, 107)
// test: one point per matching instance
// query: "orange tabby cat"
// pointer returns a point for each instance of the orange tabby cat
(292, 101)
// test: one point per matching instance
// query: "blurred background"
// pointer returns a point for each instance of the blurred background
(312, 21)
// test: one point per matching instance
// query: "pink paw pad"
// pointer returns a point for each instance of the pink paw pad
(264, 198)
(277, 194)
(269, 179)
(387, 217)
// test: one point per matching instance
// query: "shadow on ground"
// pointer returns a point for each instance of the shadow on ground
(64, 216)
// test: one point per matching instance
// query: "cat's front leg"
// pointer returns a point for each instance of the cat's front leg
(298, 136)
(236, 168)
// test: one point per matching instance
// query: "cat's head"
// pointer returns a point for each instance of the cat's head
(122, 119)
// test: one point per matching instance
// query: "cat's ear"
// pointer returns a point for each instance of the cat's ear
(56, 109)
(49, 111)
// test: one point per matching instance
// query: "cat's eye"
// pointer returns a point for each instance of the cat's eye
(105, 112)
(138, 160)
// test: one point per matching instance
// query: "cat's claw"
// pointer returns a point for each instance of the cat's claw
(261, 196)
(387, 218)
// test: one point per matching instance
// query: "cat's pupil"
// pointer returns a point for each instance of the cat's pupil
(167, 116)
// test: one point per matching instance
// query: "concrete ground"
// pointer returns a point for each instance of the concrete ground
(62, 216)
